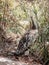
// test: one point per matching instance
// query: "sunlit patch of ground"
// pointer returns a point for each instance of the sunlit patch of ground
(20, 61)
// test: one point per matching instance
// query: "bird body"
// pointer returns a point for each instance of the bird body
(26, 41)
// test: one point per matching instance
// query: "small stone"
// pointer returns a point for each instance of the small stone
(27, 52)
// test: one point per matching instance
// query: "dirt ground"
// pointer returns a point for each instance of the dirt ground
(18, 61)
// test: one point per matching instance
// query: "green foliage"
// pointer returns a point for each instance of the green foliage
(11, 14)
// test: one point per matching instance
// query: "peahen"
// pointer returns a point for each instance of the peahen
(28, 38)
